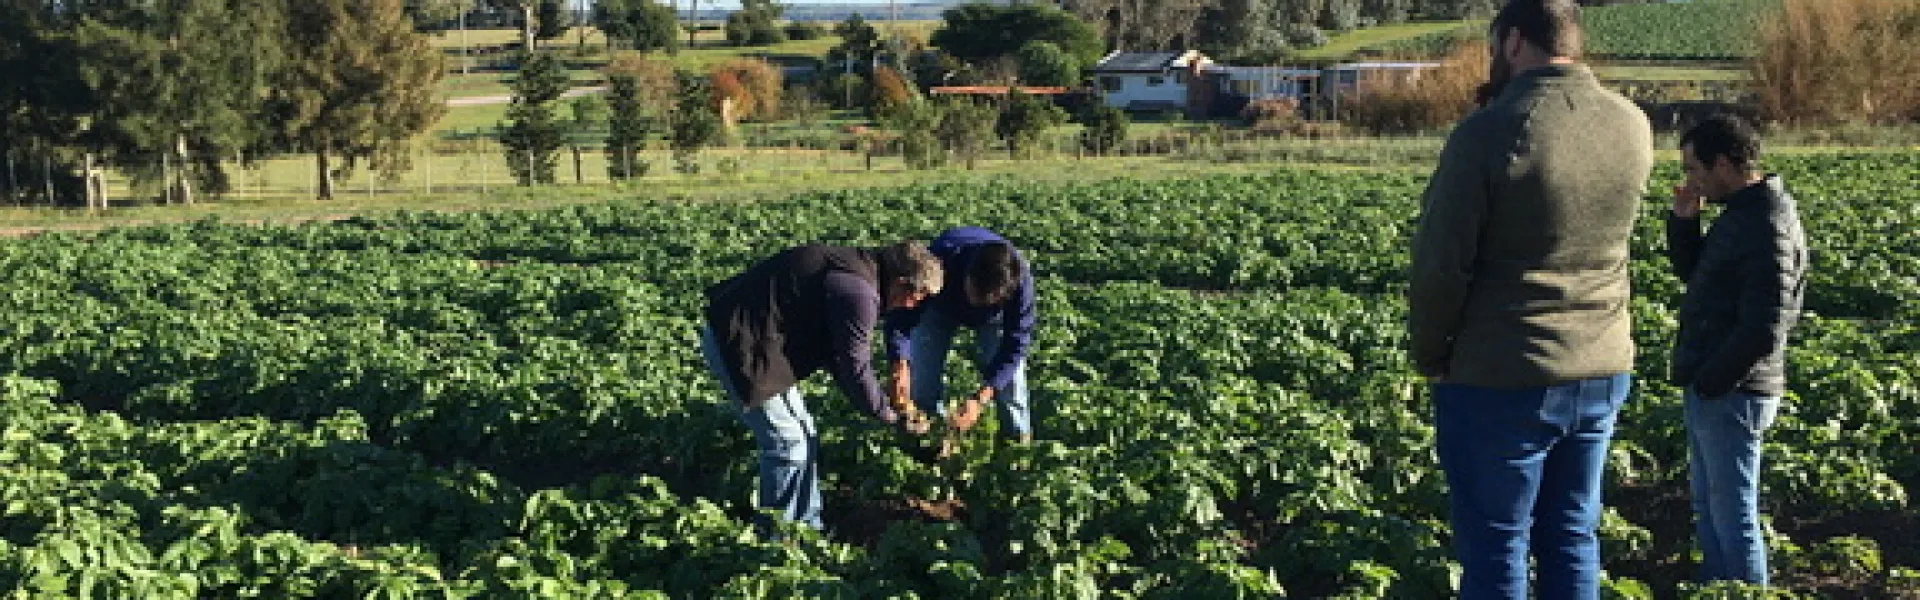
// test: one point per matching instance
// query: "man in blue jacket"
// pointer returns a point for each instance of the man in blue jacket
(989, 289)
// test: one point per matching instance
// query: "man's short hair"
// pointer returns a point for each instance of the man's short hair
(912, 261)
(1724, 135)
(995, 272)
(1551, 25)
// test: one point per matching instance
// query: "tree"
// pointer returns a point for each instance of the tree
(533, 134)
(979, 33)
(529, 19)
(359, 83)
(434, 15)
(919, 143)
(39, 88)
(859, 41)
(1143, 25)
(658, 84)
(611, 18)
(694, 123)
(756, 24)
(1025, 119)
(805, 30)
(890, 92)
(756, 88)
(966, 127)
(1340, 15)
(1042, 63)
(628, 126)
(173, 89)
(642, 25)
(553, 20)
(588, 113)
(1388, 12)
(1106, 128)
(1243, 31)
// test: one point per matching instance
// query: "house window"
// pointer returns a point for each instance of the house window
(1109, 83)
(1244, 87)
(1180, 78)
(1156, 81)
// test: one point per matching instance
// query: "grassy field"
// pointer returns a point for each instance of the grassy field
(472, 177)
(469, 121)
(1343, 46)
(280, 191)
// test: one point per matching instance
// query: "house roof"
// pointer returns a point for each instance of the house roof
(1264, 72)
(1145, 62)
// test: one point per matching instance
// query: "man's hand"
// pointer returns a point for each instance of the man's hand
(1687, 202)
(902, 385)
(968, 414)
(914, 422)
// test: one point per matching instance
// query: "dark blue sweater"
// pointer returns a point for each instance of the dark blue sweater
(955, 249)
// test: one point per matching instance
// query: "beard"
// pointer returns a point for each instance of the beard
(1499, 72)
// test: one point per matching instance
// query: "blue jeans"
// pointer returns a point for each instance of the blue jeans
(789, 446)
(932, 338)
(1723, 456)
(1523, 468)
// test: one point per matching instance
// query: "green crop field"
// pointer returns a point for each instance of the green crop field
(511, 404)
(1701, 30)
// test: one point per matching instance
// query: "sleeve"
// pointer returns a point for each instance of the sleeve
(852, 309)
(1016, 334)
(1445, 245)
(899, 327)
(1683, 245)
(1769, 279)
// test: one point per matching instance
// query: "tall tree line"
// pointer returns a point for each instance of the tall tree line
(169, 92)
(1252, 30)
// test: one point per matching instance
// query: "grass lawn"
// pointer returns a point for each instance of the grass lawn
(468, 121)
(282, 190)
(807, 175)
(1343, 45)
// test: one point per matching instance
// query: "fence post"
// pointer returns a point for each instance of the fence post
(46, 173)
(166, 179)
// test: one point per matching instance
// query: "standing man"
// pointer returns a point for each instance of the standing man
(803, 310)
(989, 289)
(1518, 306)
(1745, 281)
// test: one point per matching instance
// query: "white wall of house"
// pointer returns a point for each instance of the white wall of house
(1120, 90)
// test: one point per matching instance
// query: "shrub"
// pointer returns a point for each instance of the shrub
(1832, 61)
(1397, 104)
(805, 30)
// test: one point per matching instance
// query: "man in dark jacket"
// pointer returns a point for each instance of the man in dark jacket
(1518, 306)
(1745, 281)
(807, 309)
(989, 289)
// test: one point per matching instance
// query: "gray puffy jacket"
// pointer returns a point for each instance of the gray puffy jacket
(1745, 282)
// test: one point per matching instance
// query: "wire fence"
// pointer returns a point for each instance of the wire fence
(31, 179)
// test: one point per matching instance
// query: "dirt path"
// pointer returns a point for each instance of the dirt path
(508, 99)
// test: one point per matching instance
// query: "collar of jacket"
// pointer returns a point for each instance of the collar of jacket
(1553, 74)
(1760, 192)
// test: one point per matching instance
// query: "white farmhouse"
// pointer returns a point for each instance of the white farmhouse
(1147, 81)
